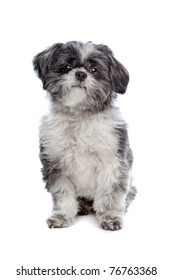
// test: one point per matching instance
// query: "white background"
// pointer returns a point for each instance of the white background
(140, 34)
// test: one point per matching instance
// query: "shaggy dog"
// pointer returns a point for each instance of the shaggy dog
(84, 146)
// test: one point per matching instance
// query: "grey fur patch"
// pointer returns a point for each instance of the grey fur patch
(130, 196)
(129, 157)
(50, 170)
(124, 150)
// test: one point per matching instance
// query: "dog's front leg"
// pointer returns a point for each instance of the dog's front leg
(65, 205)
(110, 207)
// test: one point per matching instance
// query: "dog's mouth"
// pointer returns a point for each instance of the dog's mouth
(79, 86)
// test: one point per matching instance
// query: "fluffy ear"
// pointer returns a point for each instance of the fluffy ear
(119, 76)
(42, 61)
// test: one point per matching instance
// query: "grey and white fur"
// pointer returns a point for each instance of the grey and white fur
(84, 146)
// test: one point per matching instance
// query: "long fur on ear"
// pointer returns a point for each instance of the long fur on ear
(42, 61)
(119, 76)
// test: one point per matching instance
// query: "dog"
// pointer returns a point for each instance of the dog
(84, 147)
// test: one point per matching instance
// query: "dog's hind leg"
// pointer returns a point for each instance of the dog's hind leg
(130, 196)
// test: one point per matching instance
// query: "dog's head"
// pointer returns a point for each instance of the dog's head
(81, 74)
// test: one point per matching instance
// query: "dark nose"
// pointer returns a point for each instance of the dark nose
(80, 76)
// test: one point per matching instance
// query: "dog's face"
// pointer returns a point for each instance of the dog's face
(77, 74)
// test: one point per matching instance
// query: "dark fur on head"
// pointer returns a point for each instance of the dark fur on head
(57, 66)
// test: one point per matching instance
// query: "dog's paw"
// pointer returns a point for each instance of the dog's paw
(58, 222)
(111, 223)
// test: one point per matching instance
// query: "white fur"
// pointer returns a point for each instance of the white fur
(86, 147)
(86, 50)
(74, 97)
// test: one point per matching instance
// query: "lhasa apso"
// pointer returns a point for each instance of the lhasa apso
(84, 146)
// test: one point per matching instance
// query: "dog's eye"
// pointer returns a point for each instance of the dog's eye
(67, 68)
(93, 71)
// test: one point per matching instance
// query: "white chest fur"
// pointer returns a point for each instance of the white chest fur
(84, 147)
